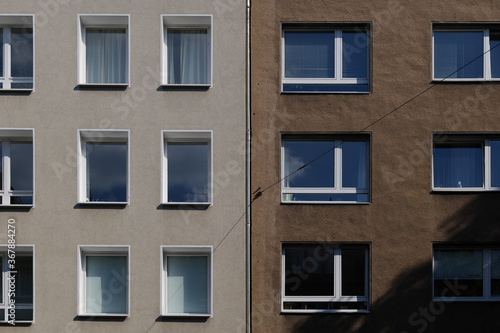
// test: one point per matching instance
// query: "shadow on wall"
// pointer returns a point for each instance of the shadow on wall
(408, 307)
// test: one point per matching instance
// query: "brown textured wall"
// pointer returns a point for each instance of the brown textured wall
(404, 217)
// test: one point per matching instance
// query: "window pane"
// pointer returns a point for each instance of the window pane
(464, 266)
(353, 272)
(495, 53)
(309, 271)
(24, 314)
(495, 163)
(354, 164)
(21, 85)
(107, 172)
(187, 284)
(1, 52)
(187, 56)
(106, 55)
(495, 272)
(454, 50)
(106, 284)
(309, 54)
(188, 171)
(354, 54)
(24, 280)
(22, 52)
(458, 165)
(317, 174)
(21, 165)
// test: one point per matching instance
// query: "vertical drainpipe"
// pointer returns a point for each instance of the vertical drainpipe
(248, 183)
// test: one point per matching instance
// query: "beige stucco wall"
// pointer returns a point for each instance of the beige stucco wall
(403, 217)
(56, 109)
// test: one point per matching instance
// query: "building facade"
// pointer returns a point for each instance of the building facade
(123, 166)
(374, 166)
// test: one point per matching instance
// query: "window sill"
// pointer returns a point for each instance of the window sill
(469, 80)
(286, 312)
(186, 315)
(204, 85)
(105, 315)
(469, 299)
(201, 204)
(28, 207)
(462, 190)
(324, 203)
(14, 90)
(103, 85)
(103, 203)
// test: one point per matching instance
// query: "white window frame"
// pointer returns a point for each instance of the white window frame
(338, 79)
(486, 275)
(99, 250)
(186, 250)
(186, 136)
(337, 257)
(100, 21)
(20, 250)
(96, 135)
(8, 21)
(486, 55)
(6, 136)
(486, 161)
(186, 21)
(338, 189)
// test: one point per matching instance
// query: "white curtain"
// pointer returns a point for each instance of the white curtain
(187, 56)
(106, 284)
(187, 284)
(106, 55)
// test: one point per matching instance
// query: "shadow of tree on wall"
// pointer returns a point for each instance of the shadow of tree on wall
(407, 307)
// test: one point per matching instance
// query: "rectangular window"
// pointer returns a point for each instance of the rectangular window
(466, 52)
(325, 58)
(21, 276)
(187, 167)
(17, 167)
(466, 273)
(187, 281)
(103, 55)
(466, 162)
(103, 280)
(187, 50)
(16, 52)
(337, 169)
(325, 277)
(103, 166)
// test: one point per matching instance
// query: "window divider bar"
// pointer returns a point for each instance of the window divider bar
(7, 61)
(6, 172)
(487, 164)
(486, 56)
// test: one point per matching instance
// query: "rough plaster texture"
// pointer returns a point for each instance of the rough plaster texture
(403, 217)
(57, 108)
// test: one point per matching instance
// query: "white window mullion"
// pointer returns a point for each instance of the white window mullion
(337, 274)
(6, 172)
(7, 72)
(487, 273)
(338, 164)
(487, 164)
(338, 54)
(487, 55)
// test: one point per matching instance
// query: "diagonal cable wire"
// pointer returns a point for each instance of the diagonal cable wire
(258, 193)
